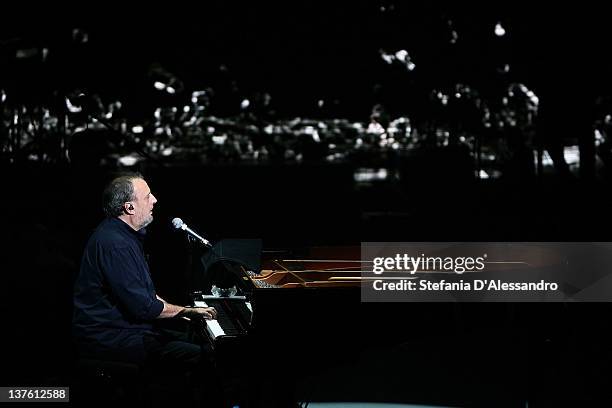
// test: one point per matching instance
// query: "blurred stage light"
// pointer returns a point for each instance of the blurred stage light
(388, 58)
(129, 160)
(80, 36)
(219, 140)
(499, 30)
(366, 175)
(72, 107)
(599, 138)
(402, 55)
(571, 154)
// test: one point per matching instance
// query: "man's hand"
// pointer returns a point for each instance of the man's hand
(207, 313)
(171, 310)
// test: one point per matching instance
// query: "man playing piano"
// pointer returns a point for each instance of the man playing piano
(115, 303)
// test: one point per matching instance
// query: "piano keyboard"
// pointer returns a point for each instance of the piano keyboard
(223, 324)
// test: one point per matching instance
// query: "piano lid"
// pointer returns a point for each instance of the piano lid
(246, 252)
(227, 257)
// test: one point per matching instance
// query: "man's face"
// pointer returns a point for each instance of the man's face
(143, 203)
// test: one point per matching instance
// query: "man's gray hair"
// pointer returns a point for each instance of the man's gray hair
(119, 191)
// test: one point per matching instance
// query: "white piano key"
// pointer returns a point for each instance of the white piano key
(200, 303)
(214, 328)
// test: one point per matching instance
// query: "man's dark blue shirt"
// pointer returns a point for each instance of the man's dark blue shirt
(114, 297)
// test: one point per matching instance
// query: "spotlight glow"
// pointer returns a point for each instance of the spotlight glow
(499, 30)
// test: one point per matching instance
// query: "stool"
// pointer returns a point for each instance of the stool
(99, 382)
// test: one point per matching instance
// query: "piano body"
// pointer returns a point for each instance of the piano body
(301, 315)
(298, 331)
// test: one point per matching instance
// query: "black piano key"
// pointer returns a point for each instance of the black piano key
(224, 317)
(244, 313)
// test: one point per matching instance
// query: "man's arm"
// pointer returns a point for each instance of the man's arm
(125, 272)
(171, 310)
(121, 269)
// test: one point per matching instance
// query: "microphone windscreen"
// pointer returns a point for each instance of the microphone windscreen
(177, 223)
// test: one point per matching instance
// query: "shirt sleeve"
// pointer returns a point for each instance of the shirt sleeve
(126, 274)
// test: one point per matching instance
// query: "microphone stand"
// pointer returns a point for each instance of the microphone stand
(197, 280)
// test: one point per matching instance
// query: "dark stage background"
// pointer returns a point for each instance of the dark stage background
(318, 62)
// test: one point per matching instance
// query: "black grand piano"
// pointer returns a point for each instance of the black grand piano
(300, 314)
(296, 330)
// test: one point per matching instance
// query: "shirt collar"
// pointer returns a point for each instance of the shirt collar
(140, 234)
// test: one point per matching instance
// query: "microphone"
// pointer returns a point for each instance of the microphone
(179, 224)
